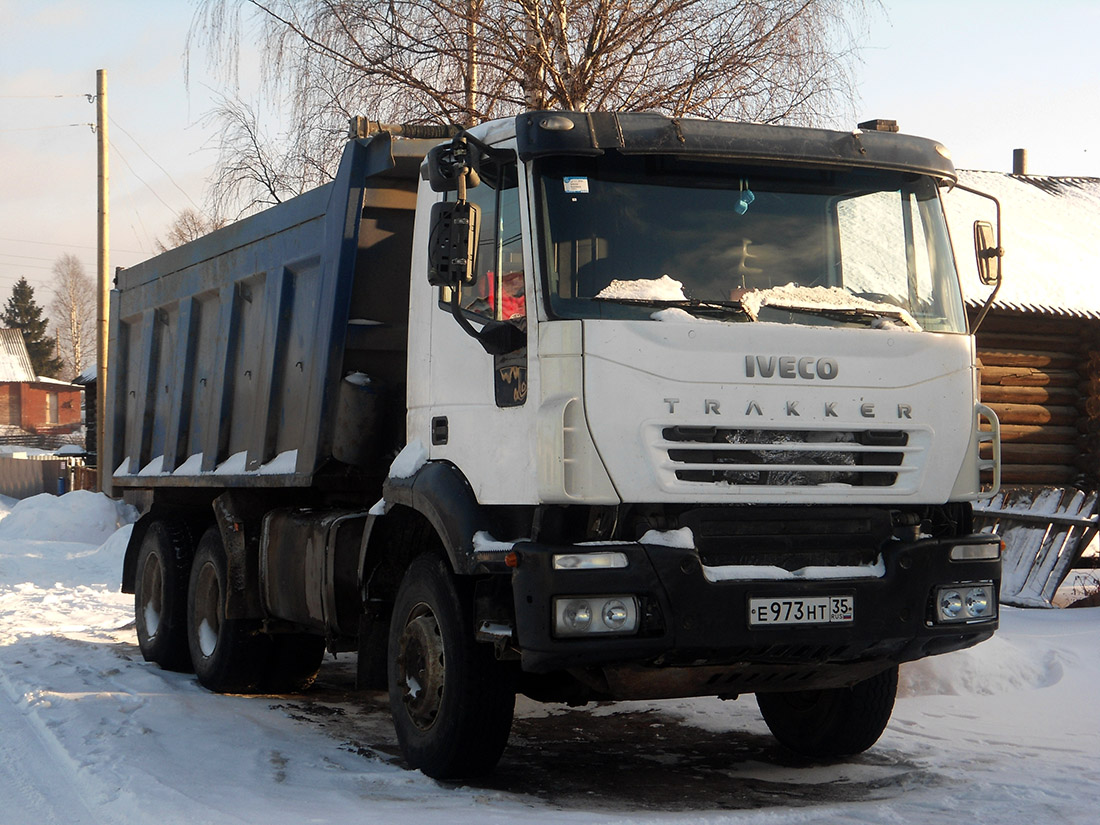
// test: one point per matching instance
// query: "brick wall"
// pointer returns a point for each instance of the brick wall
(35, 414)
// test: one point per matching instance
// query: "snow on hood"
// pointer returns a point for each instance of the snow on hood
(793, 296)
(645, 289)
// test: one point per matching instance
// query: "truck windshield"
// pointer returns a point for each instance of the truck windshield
(624, 236)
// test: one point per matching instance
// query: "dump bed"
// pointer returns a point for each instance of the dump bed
(228, 355)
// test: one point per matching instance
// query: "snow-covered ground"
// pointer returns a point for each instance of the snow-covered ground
(1008, 732)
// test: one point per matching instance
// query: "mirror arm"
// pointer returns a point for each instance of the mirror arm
(496, 337)
(985, 307)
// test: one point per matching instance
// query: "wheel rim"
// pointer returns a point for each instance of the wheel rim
(206, 607)
(152, 594)
(421, 667)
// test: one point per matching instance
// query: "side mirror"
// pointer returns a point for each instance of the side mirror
(452, 243)
(988, 253)
(449, 162)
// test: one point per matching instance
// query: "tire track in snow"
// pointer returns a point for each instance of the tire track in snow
(36, 771)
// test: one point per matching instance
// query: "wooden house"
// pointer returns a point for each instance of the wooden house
(32, 404)
(1039, 354)
(1039, 346)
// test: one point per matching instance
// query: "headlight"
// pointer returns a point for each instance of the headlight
(583, 615)
(965, 602)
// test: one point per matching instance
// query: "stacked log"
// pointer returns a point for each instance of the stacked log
(1041, 375)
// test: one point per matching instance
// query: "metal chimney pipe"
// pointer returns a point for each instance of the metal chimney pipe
(1019, 161)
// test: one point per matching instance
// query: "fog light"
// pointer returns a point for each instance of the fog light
(971, 602)
(576, 615)
(615, 614)
(951, 604)
(977, 602)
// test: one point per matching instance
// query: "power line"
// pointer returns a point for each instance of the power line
(73, 245)
(161, 168)
(44, 128)
(122, 157)
(26, 257)
(40, 97)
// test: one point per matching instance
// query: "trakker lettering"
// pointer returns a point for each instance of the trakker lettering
(790, 366)
(713, 406)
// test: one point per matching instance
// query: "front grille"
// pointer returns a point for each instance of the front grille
(791, 538)
(786, 458)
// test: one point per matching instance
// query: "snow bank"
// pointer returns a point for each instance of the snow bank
(79, 516)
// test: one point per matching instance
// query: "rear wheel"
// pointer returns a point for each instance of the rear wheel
(229, 655)
(835, 722)
(160, 594)
(451, 700)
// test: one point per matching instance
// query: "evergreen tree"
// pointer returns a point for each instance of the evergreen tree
(22, 313)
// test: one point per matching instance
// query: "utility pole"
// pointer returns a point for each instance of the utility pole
(103, 264)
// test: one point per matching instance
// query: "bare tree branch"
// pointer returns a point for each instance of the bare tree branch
(462, 61)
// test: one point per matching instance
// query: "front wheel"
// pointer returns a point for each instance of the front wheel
(451, 700)
(835, 722)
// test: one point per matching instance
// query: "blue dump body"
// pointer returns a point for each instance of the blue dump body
(227, 354)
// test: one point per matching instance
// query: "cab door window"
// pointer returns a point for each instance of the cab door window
(499, 293)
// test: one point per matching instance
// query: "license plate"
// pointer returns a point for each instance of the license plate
(814, 610)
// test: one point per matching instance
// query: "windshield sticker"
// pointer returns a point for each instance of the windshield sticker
(576, 186)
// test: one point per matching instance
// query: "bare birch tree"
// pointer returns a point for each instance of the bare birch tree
(463, 61)
(189, 225)
(73, 312)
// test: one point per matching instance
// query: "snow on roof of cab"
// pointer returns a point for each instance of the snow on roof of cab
(1051, 238)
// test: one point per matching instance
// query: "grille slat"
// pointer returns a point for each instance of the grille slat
(786, 458)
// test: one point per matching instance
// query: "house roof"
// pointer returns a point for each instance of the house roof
(1051, 237)
(15, 363)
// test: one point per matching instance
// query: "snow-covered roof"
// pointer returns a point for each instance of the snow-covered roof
(1051, 237)
(87, 376)
(15, 362)
(45, 379)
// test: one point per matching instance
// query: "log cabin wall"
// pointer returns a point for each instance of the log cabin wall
(1041, 374)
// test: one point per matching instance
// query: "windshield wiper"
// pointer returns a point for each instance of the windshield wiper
(843, 313)
(705, 309)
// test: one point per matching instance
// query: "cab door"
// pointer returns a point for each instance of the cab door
(480, 419)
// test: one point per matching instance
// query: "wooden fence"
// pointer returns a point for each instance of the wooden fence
(1045, 531)
(26, 477)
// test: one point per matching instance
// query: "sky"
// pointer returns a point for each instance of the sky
(982, 76)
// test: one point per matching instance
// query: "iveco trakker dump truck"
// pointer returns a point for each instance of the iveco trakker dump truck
(584, 406)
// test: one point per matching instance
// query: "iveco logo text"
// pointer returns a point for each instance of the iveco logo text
(788, 366)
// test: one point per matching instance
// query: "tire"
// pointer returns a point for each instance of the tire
(832, 723)
(293, 662)
(160, 595)
(451, 701)
(229, 655)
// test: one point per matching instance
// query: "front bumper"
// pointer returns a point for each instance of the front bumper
(686, 620)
